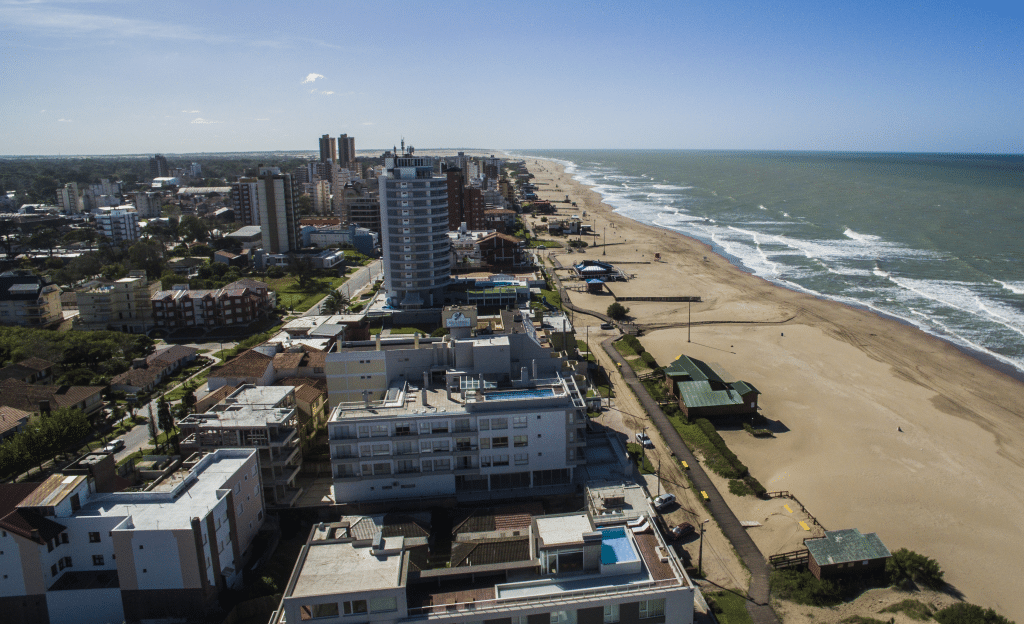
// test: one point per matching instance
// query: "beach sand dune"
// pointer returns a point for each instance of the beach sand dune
(839, 384)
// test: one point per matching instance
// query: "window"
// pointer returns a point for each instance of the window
(519, 422)
(63, 538)
(611, 613)
(94, 536)
(355, 607)
(519, 619)
(485, 461)
(97, 560)
(499, 423)
(521, 441)
(485, 443)
(53, 570)
(383, 604)
(652, 608)
(522, 459)
(499, 442)
(563, 617)
(484, 425)
(309, 612)
(501, 460)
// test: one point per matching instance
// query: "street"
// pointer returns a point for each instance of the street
(356, 282)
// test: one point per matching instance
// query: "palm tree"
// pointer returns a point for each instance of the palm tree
(336, 303)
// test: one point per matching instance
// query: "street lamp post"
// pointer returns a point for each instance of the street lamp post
(700, 555)
(605, 241)
(688, 320)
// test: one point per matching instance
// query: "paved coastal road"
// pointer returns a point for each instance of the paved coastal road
(358, 280)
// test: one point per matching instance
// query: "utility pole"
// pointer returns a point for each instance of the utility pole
(659, 476)
(688, 302)
(605, 245)
(700, 556)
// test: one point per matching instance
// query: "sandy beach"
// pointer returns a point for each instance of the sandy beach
(879, 426)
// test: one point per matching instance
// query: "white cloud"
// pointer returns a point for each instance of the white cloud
(327, 93)
(190, 111)
(43, 111)
(65, 120)
(262, 119)
(312, 78)
(200, 120)
(367, 123)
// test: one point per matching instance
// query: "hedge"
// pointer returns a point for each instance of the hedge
(633, 343)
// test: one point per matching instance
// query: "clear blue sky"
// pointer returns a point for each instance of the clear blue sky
(108, 77)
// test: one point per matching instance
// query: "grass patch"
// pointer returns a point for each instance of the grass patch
(291, 296)
(638, 365)
(552, 296)
(729, 608)
(409, 330)
(863, 619)
(640, 457)
(541, 242)
(624, 349)
(248, 343)
(739, 488)
(583, 348)
(914, 609)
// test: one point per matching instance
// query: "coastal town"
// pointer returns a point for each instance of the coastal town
(452, 386)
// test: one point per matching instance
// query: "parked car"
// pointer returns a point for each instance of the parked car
(114, 446)
(607, 326)
(644, 440)
(664, 501)
(681, 530)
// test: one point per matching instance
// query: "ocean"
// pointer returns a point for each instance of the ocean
(936, 240)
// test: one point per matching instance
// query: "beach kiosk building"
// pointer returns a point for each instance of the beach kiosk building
(702, 393)
(846, 553)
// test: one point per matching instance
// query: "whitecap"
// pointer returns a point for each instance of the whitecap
(1016, 288)
(860, 237)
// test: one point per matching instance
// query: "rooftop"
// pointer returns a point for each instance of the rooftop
(845, 546)
(363, 568)
(562, 530)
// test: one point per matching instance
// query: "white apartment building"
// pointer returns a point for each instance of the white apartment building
(414, 228)
(259, 417)
(245, 201)
(279, 212)
(471, 416)
(565, 569)
(148, 204)
(76, 552)
(118, 224)
(321, 197)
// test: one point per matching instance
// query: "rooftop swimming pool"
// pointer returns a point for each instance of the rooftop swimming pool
(616, 547)
(507, 395)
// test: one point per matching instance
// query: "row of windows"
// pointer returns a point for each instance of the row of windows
(648, 609)
(383, 604)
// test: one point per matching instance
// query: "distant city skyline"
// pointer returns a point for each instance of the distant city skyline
(117, 77)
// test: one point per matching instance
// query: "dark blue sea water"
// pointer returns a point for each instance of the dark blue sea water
(934, 239)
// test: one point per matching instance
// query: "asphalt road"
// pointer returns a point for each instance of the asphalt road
(357, 281)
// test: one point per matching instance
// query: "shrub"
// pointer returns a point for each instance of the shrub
(757, 433)
(861, 619)
(906, 567)
(617, 311)
(649, 359)
(801, 587)
(440, 331)
(739, 488)
(914, 609)
(633, 343)
(755, 486)
(967, 613)
(716, 440)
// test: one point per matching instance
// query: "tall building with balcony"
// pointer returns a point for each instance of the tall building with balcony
(328, 150)
(245, 201)
(414, 227)
(359, 205)
(321, 197)
(28, 300)
(346, 151)
(461, 416)
(158, 167)
(68, 199)
(118, 224)
(148, 204)
(260, 417)
(124, 305)
(279, 211)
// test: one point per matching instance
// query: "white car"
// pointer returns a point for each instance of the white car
(644, 440)
(114, 446)
(663, 501)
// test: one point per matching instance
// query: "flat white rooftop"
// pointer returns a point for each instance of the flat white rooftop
(331, 568)
(557, 530)
(193, 498)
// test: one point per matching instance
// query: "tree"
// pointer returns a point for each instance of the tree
(302, 268)
(617, 311)
(163, 415)
(305, 204)
(906, 567)
(147, 255)
(189, 400)
(336, 303)
(191, 228)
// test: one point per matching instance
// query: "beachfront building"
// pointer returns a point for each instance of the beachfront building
(558, 569)
(846, 553)
(77, 552)
(414, 223)
(467, 416)
(123, 305)
(254, 417)
(702, 393)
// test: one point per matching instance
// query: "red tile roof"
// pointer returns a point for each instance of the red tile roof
(23, 521)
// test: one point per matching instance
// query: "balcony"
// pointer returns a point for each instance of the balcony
(283, 437)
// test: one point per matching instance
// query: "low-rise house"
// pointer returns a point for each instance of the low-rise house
(499, 249)
(260, 417)
(12, 420)
(28, 300)
(32, 397)
(77, 551)
(847, 552)
(702, 393)
(147, 373)
(29, 370)
(249, 367)
(311, 399)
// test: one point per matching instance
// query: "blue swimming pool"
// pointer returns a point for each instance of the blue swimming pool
(507, 395)
(616, 547)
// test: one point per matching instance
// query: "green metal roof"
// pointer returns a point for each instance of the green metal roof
(700, 386)
(701, 394)
(744, 387)
(845, 546)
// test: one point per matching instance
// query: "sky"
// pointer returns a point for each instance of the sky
(136, 76)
